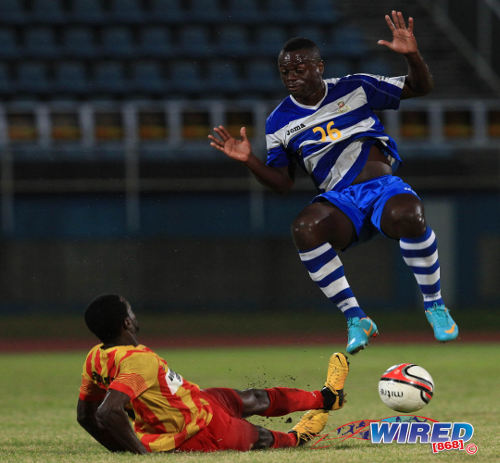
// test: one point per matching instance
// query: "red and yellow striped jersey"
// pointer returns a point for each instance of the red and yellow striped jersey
(168, 409)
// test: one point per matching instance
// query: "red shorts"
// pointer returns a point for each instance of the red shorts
(227, 430)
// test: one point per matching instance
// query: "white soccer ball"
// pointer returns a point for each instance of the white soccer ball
(406, 387)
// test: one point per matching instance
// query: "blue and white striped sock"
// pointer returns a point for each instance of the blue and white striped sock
(421, 255)
(326, 269)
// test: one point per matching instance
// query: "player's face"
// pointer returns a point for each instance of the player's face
(302, 73)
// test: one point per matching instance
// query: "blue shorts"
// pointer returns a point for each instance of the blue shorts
(363, 203)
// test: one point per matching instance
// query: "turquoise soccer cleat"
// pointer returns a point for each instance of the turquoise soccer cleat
(445, 328)
(359, 332)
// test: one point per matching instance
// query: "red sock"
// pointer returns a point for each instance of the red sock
(284, 400)
(283, 439)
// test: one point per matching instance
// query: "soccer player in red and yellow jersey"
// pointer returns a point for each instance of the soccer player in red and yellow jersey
(124, 381)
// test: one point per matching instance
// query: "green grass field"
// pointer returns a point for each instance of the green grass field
(39, 393)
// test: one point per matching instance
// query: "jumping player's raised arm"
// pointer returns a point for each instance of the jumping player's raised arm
(276, 178)
(419, 80)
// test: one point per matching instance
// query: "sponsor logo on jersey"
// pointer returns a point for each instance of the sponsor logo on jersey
(295, 129)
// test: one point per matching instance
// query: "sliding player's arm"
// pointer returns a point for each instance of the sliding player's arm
(276, 178)
(86, 416)
(113, 425)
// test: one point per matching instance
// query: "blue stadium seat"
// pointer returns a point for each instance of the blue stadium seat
(205, 11)
(148, 78)
(71, 77)
(223, 77)
(79, 42)
(185, 77)
(9, 48)
(337, 67)
(348, 42)
(109, 77)
(6, 84)
(282, 12)
(262, 76)
(127, 12)
(12, 12)
(321, 11)
(87, 12)
(40, 42)
(270, 40)
(233, 41)
(32, 78)
(117, 41)
(47, 12)
(167, 12)
(376, 65)
(244, 11)
(194, 41)
(313, 33)
(155, 42)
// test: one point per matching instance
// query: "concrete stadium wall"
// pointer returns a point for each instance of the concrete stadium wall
(203, 263)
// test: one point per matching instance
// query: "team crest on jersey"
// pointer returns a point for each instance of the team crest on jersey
(295, 129)
(342, 107)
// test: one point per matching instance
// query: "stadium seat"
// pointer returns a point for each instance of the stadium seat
(12, 12)
(232, 41)
(281, 12)
(87, 12)
(78, 42)
(244, 11)
(117, 42)
(320, 11)
(223, 77)
(313, 33)
(262, 76)
(147, 77)
(269, 40)
(109, 77)
(127, 12)
(155, 42)
(204, 11)
(71, 77)
(167, 12)
(32, 78)
(40, 42)
(6, 85)
(337, 67)
(348, 41)
(47, 12)
(377, 66)
(10, 48)
(185, 77)
(194, 41)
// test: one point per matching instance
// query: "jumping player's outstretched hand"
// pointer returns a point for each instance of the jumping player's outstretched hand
(236, 149)
(403, 40)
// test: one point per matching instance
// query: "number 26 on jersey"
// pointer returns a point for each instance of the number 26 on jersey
(333, 134)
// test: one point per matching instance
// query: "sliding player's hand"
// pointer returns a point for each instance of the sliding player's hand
(403, 40)
(235, 149)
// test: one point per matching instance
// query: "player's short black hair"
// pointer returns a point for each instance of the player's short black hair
(105, 315)
(300, 43)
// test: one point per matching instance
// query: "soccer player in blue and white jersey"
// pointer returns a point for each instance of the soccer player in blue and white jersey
(328, 127)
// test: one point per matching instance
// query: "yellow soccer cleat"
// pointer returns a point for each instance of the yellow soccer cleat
(310, 425)
(333, 391)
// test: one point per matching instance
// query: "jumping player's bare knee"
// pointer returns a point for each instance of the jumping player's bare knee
(265, 439)
(403, 218)
(255, 401)
(319, 223)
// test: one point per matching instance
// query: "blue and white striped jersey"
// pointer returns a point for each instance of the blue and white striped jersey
(331, 140)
